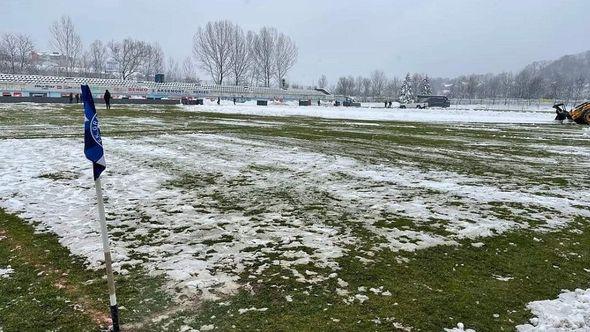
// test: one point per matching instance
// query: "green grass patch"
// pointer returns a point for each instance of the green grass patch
(51, 289)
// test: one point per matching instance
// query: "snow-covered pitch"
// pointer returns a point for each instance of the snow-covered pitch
(376, 112)
(203, 200)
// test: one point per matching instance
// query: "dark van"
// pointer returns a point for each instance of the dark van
(435, 101)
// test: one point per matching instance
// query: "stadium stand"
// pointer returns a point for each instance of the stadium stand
(57, 86)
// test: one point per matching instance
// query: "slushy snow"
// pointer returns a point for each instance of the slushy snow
(188, 233)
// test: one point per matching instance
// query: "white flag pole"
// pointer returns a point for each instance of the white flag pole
(107, 256)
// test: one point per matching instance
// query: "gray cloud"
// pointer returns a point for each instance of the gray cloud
(338, 37)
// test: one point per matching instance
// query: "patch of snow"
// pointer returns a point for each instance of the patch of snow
(569, 312)
(376, 290)
(460, 328)
(361, 298)
(208, 327)
(341, 292)
(342, 283)
(6, 272)
(376, 320)
(501, 278)
(186, 328)
(243, 311)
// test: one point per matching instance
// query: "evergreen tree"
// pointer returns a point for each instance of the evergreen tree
(406, 94)
(426, 89)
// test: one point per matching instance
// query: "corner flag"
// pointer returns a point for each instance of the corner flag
(94, 152)
(92, 141)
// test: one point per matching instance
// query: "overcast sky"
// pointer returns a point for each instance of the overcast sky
(339, 37)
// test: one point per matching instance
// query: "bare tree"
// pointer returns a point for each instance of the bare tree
(9, 51)
(263, 54)
(345, 86)
(241, 59)
(173, 70)
(66, 40)
(188, 71)
(85, 64)
(129, 55)
(322, 82)
(212, 46)
(378, 82)
(579, 84)
(358, 83)
(24, 47)
(392, 88)
(365, 87)
(97, 57)
(285, 56)
(471, 86)
(154, 61)
(506, 84)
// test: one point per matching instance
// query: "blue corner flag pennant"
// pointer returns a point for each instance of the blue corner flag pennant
(92, 141)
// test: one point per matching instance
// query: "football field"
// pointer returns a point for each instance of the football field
(294, 218)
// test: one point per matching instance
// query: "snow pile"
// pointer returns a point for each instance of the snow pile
(460, 328)
(391, 114)
(569, 312)
(6, 272)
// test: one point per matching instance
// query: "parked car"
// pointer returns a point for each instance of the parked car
(418, 104)
(435, 101)
(350, 102)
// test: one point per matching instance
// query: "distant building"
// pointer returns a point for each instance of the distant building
(48, 61)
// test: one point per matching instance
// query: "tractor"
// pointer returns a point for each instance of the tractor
(579, 114)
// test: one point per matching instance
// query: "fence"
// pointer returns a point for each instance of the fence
(512, 103)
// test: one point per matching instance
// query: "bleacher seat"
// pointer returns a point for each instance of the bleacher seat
(227, 91)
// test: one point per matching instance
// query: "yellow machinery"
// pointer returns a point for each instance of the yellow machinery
(580, 114)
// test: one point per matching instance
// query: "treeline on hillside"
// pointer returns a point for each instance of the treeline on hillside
(567, 78)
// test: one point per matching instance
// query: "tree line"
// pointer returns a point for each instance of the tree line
(226, 53)
(529, 83)
(565, 79)
(378, 86)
